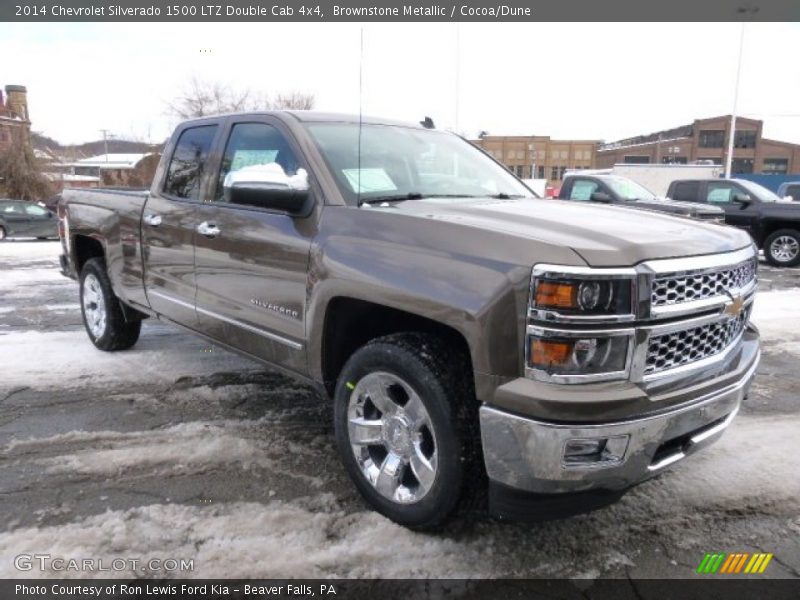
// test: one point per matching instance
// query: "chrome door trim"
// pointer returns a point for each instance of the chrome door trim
(258, 331)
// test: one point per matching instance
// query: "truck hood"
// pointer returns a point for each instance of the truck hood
(602, 235)
(691, 209)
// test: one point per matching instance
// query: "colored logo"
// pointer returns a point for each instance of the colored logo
(734, 563)
(735, 306)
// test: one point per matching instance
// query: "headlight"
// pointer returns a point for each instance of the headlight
(574, 332)
(572, 353)
(581, 297)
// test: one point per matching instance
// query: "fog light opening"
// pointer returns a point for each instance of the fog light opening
(608, 451)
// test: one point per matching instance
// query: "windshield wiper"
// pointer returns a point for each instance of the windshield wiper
(412, 196)
(393, 198)
(504, 196)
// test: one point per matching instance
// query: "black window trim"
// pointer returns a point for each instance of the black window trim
(211, 161)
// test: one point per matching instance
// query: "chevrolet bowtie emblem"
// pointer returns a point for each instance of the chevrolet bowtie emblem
(734, 307)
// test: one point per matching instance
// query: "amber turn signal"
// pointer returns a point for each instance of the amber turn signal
(546, 353)
(554, 294)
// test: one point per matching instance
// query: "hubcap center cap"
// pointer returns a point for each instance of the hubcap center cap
(397, 434)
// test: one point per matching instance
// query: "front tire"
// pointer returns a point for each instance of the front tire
(782, 248)
(102, 313)
(406, 425)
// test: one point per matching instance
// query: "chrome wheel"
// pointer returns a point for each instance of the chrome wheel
(94, 306)
(392, 437)
(784, 248)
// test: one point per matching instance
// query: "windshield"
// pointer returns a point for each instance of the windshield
(628, 189)
(398, 163)
(759, 191)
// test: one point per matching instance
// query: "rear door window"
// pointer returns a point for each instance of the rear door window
(688, 191)
(188, 163)
(794, 192)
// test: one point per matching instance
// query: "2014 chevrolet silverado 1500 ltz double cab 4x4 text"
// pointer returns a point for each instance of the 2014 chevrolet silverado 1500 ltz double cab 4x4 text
(471, 336)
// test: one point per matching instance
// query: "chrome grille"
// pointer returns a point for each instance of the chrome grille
(674, 288)
(679, 348)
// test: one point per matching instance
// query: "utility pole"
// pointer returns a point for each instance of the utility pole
(105, 142)
(729, 157)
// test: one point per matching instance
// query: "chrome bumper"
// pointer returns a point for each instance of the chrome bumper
(529, 455)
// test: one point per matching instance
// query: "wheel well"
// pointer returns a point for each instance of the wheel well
(775, 226)
(85, 248)
(351, 323)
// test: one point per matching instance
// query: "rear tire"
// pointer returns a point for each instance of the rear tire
(782, 248)
(102, 313)
(406, 422)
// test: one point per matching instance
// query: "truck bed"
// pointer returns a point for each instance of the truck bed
(111, 217)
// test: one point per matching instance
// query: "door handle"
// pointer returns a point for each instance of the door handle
(153, 220)
(208, 229)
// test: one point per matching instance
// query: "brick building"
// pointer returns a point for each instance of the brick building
(14, 118)
(707, 140)
(538, 156)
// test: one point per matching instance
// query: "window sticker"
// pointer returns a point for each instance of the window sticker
(248, 158)
(370, 180)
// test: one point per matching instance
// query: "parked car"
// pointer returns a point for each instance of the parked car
(613, 189)
(773, 223)
(470, 336)
(26, 219)
(790, 189)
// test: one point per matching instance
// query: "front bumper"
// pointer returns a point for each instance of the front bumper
(529, 455)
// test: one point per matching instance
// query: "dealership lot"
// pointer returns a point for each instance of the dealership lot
(179, 450)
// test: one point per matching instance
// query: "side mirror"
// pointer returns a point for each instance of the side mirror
(268, 186)
(743, 199)
(599, 196)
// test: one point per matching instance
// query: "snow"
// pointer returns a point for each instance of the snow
(309, 538)
(723, 493)
(193, 447)
(30, 251)
(777, 314)
(72, 360)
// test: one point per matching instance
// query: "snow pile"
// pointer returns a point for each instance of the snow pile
(309, 538)
(183, 449)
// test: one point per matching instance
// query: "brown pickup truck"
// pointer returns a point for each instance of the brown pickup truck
(472, 337)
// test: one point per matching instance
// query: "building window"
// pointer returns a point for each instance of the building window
(636, 160)
(674, 160)
(554, 173)
(744, 139)
(712, 138)
(742, 165)
(540, 172)
(776, 166)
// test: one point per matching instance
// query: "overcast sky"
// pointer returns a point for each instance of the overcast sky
(565, 80)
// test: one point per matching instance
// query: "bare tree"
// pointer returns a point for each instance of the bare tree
(293, 100)
(21, 174)
(202, 98)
